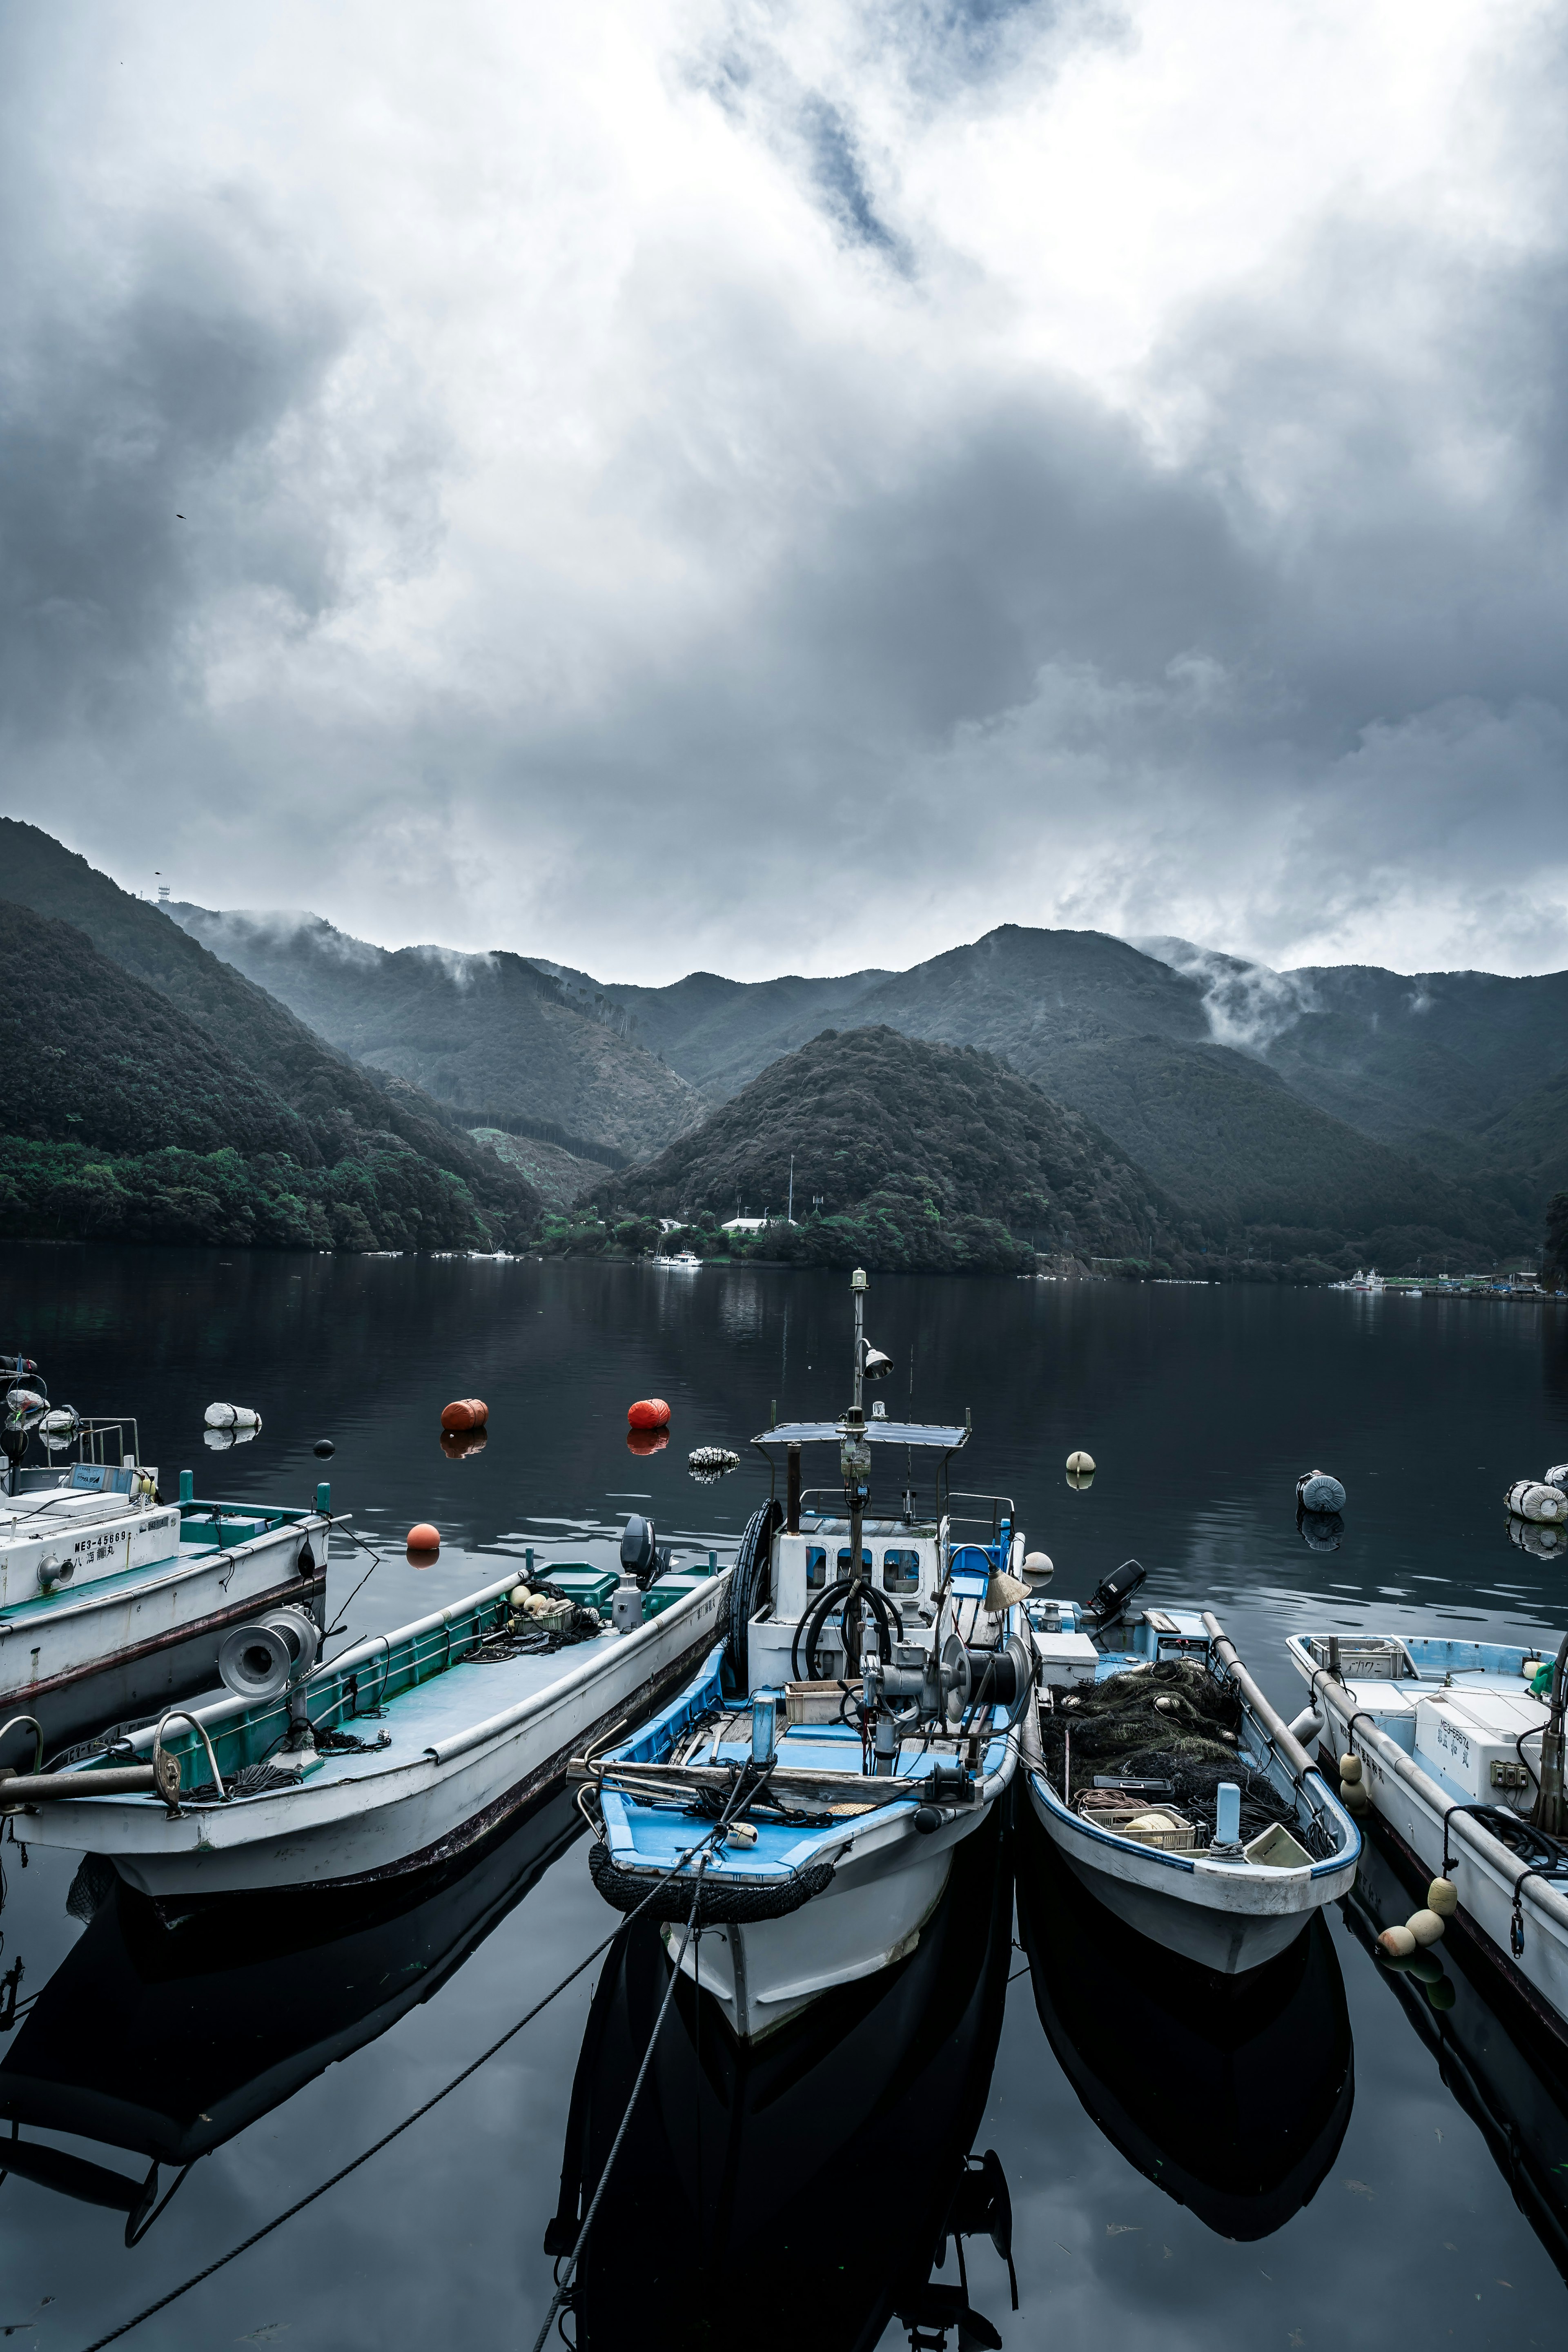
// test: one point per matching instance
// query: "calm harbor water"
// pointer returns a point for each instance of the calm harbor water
(1324, 2162)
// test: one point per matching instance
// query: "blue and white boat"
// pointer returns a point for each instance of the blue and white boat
(856, 1723)
(1459, 1749)
(1172, 1788)
(113, 1600)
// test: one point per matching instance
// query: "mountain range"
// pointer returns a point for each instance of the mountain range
(1297, 1115)
(1305, 1112)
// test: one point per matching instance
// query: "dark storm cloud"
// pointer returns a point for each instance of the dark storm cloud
(161, 395)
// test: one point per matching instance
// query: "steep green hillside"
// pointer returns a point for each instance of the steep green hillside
(340, 1103)
(93, 1056)
(911, 1149)
(124, 1118)
(486, 1033)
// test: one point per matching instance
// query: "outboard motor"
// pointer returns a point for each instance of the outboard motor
(1111, 1594)
(641, 1556)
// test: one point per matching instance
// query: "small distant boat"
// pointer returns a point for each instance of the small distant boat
(113, 1600)
(394, 1756)
(810, 1785)
(682, 1261)
(1127, 1763)
(1371, 1281)
(1461, 1758)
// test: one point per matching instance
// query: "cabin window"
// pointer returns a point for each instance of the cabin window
(815, 1568)
(844, 1563)
(901, 1571)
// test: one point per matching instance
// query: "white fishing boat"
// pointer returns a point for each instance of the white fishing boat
(113, 1601)
(1172, 1788)
(1459, 1749)
(393, 1755)
(855, 1726)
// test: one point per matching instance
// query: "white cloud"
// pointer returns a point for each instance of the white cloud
(784, 487)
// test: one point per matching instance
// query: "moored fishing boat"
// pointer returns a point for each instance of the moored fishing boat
(113, 1601)
(395, 1755)
(807, 1788)
(1459, 1747)
(1231, 2093)
(1171, 1786)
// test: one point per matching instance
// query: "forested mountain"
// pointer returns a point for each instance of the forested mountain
(1128, 1041)
(918, 1154)
(491, 1035)
(140, 1067)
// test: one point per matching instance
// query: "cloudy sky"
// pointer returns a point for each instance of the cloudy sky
(776, 487)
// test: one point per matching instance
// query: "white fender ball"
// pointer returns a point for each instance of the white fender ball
(1078, 1463)
(1442, 1896)
(1354, 1798)
(1350, 1768)
(1425, 1927)
(1398, 1942)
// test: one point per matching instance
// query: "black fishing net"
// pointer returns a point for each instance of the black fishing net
(1172, 1723)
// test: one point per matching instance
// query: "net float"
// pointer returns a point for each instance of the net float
(1398, 1942)
(1080, 1464)
(1442, 1896)
(465, 1413)
(649, 1413)
(1425, 1927)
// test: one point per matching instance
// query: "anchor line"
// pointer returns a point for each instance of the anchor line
(198, 2277)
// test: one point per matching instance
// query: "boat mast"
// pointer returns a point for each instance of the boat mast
(855, 1454)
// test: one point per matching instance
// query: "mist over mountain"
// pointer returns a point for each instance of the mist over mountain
(491, 1035)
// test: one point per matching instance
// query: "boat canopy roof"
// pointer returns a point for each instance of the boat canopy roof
(876, 1433)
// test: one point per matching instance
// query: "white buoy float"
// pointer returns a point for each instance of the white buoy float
(232, 1417)
(1534, 1499)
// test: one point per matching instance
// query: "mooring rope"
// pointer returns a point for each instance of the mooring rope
(256, 2237)
(565, 2286)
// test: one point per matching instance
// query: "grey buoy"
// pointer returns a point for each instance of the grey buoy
(323, 1446)
(1316, 1491)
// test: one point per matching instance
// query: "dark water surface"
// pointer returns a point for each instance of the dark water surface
(1324, 2160)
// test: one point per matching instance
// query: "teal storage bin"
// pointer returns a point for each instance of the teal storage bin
(671, 1589)
(589, 1587)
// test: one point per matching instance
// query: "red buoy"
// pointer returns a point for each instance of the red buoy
(465, 1413)
(649, 1413)
(424, 1538)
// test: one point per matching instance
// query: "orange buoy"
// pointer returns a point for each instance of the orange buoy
(649, 1413)
(465, 1413)
(424, 1538)
(647, 1441)
(456, 1444)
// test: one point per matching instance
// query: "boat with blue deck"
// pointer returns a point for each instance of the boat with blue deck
(1171, 1786)
(805, 1794)
(113, 1601)
(1458, 1747)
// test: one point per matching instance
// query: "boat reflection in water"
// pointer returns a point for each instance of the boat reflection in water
(1506, 2067)
(807, 2187)
(160, 2043)
(1231, 2093)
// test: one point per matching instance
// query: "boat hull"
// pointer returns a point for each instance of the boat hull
(1223, 1917)
(870, 1918)
(372, 1825)
(123, 1648)
(1538, 1972)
